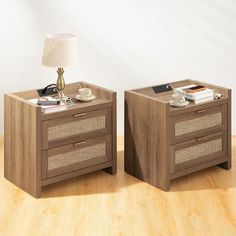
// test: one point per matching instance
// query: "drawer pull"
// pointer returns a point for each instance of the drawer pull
(80, 114)
(200, 139)
(201, 111)
(76, 144)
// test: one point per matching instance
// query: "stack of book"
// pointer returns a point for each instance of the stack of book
(196, 93)
(49, 108)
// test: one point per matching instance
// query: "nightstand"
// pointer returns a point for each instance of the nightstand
(163, 143)
(44, 148)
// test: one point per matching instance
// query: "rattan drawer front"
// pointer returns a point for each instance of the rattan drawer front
(198, 151)
(193, 124)
(196, 124)
(75, 156)
(77, 127)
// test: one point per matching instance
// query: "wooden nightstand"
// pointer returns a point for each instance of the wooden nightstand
(163, 143)
(41, 148)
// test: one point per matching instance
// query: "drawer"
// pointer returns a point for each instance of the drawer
(71, 157)
(198, 123)
(75, 128)
(198, 151)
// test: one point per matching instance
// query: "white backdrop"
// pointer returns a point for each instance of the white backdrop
(123, 44)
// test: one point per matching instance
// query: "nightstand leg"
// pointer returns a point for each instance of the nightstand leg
(37, 192)
(165, 186)
(111, 170)
(226, 165)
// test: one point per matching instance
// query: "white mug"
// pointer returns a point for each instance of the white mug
(177, 99)
(85, 93)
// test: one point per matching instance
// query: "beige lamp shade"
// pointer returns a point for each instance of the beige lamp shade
(60, 50)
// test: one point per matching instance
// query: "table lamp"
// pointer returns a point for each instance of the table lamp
(60, 50)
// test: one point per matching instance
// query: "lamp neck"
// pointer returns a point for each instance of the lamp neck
(60, 71)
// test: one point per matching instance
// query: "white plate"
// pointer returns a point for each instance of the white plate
(85, 99)
(179, 105)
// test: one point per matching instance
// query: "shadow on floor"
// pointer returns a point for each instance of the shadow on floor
(210, 178)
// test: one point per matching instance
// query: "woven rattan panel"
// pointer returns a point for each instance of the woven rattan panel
(199, 150)
(75, 156)
(189, 126)
(76, 127)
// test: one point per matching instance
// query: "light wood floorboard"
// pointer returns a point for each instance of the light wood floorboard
(203, 203)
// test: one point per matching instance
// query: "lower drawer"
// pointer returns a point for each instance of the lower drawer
(71, 157)
(197, 151)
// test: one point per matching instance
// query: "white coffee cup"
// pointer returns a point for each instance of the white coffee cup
(177, 99)
(85, 93)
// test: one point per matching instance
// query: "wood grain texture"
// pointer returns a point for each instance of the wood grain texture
(22, 144)
(113, 168)
(147, 137)
(202, 203)
(227, 165)
(78, 107)
(165, 97)
(154, 131)
(27, 132)
(106, 94)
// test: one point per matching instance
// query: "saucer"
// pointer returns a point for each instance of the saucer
(85, 99)
(179, 105)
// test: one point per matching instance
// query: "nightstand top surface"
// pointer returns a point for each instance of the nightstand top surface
(164, 97)
(80, 106)
(104, 98)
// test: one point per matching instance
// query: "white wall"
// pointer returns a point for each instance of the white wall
(123, 44)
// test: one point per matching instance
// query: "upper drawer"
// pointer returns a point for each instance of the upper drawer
(76, 127)
(197, 123)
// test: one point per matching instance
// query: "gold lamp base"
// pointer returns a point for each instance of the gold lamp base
(61, 85)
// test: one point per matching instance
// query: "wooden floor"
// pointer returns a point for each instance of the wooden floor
(203, 203)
